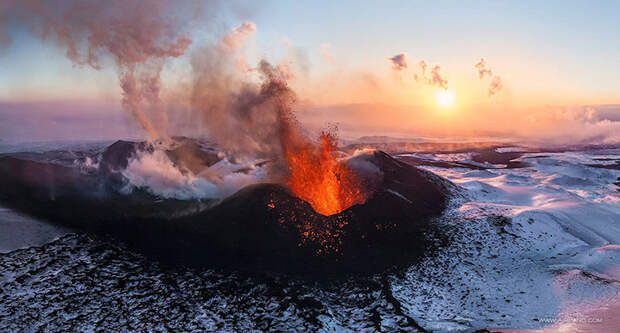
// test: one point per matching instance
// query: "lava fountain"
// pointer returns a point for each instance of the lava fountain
(318, 177)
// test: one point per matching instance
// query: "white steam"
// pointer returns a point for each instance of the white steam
(158, 175)
(559, 127)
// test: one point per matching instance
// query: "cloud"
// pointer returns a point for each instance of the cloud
(399, 62)
(496, 84)
(569, 126)
(423, 65)
(437, 79)
(434, 77)
(481, 66)
(325, 52)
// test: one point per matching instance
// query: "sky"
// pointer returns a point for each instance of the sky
(548, 54)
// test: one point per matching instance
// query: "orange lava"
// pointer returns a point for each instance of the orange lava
(318, 177)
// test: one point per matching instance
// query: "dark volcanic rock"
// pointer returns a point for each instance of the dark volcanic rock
(185, 153)
(189, 154)
(615, 166)
(260, 226)
(494, 157)
(415, 161)
(482, 155)
(115, 158)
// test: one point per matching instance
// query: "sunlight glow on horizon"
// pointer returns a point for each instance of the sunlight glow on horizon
(546, 79)
(445, 98)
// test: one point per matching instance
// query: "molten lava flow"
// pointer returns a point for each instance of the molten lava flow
(316, 176)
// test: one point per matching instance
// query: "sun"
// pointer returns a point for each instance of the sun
(445, 98)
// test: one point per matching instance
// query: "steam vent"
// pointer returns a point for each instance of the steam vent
(259, 226)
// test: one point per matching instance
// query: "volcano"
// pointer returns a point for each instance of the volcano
(260, 226)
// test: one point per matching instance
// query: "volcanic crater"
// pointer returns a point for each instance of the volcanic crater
(261, 226)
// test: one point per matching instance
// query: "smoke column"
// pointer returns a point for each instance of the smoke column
(241, 116)
(236, 37)
(248, 120)
(139, 37)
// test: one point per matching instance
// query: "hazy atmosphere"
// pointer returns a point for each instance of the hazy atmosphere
(555, 63)
(309, 166)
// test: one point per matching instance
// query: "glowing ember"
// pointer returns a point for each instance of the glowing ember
(316, 176)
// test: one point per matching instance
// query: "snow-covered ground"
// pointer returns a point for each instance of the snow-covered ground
(530, 248)
(553, 259)
(20, 231)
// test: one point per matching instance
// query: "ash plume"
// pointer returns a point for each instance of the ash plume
(243, 117)
(286, 71)
(251, 123)
(399, 61)
(247, 119)
(235, 39)
(231, 42)
(139, 36)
